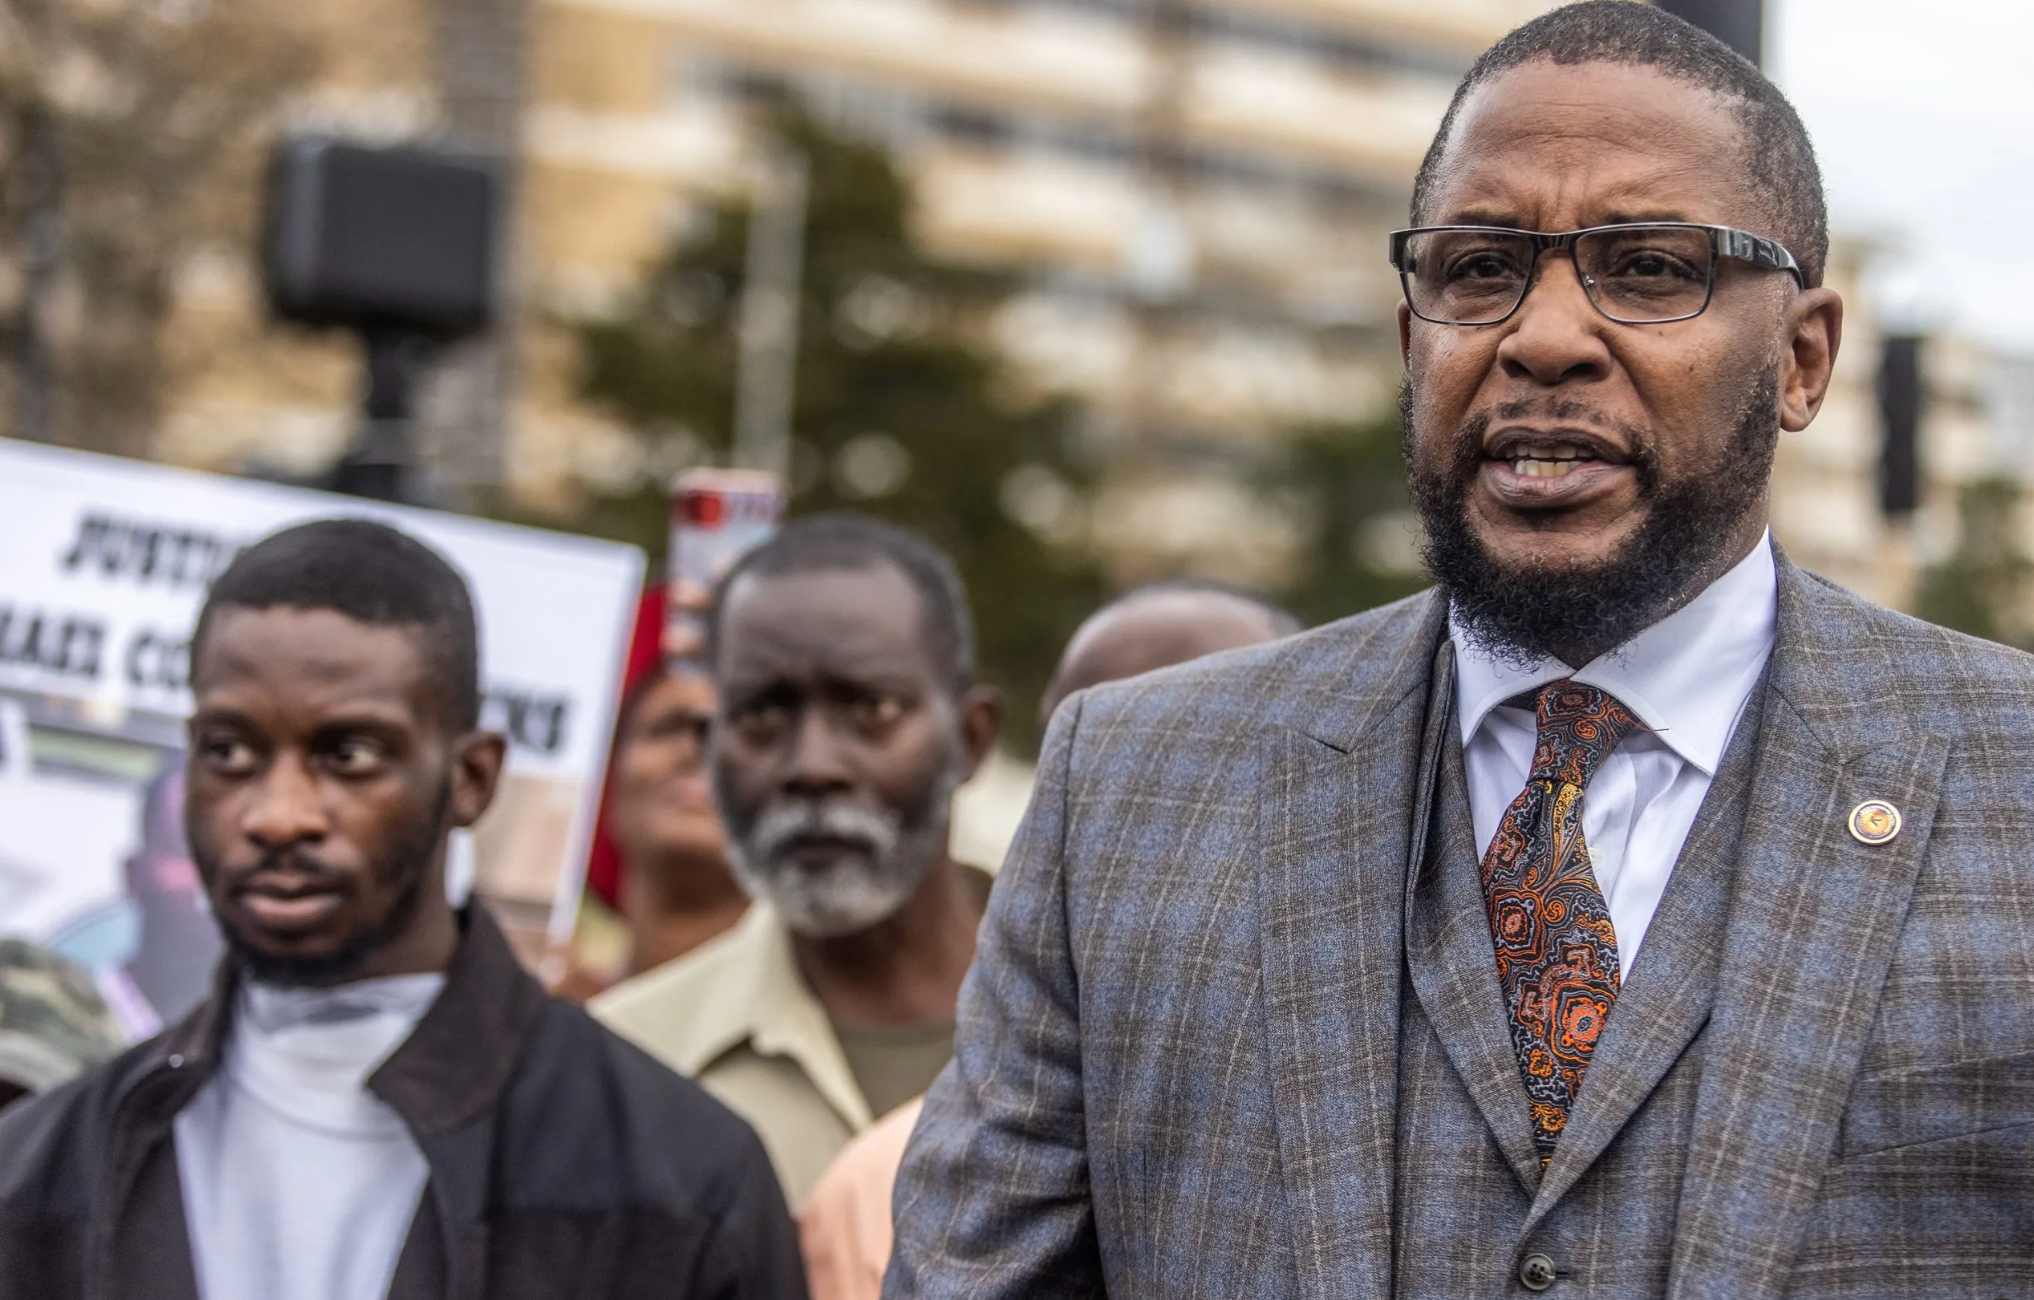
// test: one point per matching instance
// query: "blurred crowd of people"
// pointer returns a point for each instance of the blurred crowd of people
(788, 927)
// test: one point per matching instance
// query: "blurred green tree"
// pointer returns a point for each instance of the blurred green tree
(900, 409)
(1985, 585)
(1345, 483)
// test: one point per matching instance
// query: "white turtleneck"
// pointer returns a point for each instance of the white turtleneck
(299, 1183)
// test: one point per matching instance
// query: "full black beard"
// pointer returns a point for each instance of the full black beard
(407, 865)
(1521, 613)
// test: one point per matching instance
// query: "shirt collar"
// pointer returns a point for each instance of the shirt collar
(745, 988)
(1685, 678)
(270, 1009)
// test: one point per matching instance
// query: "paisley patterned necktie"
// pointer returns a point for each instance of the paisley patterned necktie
(1556, 950)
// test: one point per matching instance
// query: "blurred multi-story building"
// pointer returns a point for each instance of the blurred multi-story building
(1194, 193)
(1233, 162)
(1195, 190)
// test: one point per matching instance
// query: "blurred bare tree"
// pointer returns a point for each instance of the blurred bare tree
(131, 140)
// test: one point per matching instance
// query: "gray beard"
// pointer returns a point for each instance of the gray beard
(860, 886)
(1520, 614)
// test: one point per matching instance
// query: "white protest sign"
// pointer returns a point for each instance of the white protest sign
(103, 566)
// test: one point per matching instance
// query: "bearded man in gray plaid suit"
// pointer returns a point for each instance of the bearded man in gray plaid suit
(1632, 915)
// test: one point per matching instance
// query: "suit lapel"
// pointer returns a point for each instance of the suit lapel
(1673, 983)
(1334, 823)
(1814, 918)
(1448, 949)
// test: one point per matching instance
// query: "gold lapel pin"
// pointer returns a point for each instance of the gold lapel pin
(1874, 822)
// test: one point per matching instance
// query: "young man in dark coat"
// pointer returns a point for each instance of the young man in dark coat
(376, 1100)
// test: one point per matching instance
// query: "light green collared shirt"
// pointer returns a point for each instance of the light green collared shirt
(736, 1015)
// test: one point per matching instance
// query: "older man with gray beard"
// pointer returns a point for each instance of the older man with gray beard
(844, 655)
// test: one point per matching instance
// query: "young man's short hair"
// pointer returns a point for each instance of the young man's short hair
(372, 574)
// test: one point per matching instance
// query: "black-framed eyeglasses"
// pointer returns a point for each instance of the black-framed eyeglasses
(1636, 273)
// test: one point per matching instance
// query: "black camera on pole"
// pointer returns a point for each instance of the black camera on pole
(399, 245)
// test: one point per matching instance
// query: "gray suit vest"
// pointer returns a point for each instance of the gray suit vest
(1473, 1206)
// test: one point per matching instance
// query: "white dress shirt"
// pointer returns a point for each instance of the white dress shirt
(1687, 677)
(299, 1183)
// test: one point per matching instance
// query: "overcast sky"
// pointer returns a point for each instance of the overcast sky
(1923, 116)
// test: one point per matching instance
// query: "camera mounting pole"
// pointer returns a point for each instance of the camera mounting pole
(381, 464)
(399, 247)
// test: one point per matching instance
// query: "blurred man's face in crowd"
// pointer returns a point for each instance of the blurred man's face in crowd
(324, 777)
(662, 799)
(841, 744)
(1661, 436)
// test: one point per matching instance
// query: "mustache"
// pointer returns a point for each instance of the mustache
(1473, 443)
(289, 859)
(788, 821)
(1566, 410)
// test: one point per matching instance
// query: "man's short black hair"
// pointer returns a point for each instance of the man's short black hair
(851, 542)
(1282, 620)
(1776, 154)
(372, 574)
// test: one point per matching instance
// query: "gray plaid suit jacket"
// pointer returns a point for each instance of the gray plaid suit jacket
(1214, 1045)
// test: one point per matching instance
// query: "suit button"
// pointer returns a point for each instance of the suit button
(1536, 1272)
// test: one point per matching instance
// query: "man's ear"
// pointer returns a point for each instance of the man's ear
(477, 758)
(981, 721)
(1815, 330)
